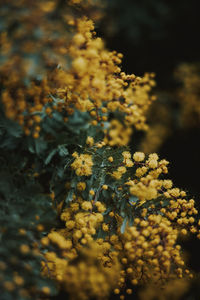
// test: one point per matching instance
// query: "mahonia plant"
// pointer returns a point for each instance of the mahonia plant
(80, 210)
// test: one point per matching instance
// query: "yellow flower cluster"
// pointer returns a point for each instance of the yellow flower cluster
(188, 94)
(146, 253)
(150, 253)
(15, 103)
(92, 246)
(22, 62)
(173, 289)
(28, 75)
(94, 83)
(90, 141)
(147, 186)
(127, 159)
(85, 3)
(119, 172)
(108, 91)
(85, 278)
(82, 164)
(117, 134)
(84, 272)
(81, 221)
(91, 256)
(59, 240)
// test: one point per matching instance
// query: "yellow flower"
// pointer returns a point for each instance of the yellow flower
(138, 156)
(90, 141)
(81, 186)
(86, 205)
(83, 165)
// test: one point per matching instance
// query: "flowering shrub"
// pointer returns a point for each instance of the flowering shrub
(80, 210)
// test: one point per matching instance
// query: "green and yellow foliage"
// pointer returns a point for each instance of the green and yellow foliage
(79, 210)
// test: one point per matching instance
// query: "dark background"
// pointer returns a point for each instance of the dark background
(153, 35)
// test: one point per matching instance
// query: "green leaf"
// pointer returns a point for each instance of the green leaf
(12, 128)
(133, 200)
(69, 196)
(50, 156)
(123, 226)
(40, 145)
(30, 144)
(62, 150)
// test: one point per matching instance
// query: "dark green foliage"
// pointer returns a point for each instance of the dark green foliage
(24, 204)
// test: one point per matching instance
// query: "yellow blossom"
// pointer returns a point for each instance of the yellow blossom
(83, 165)
(138, 156)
